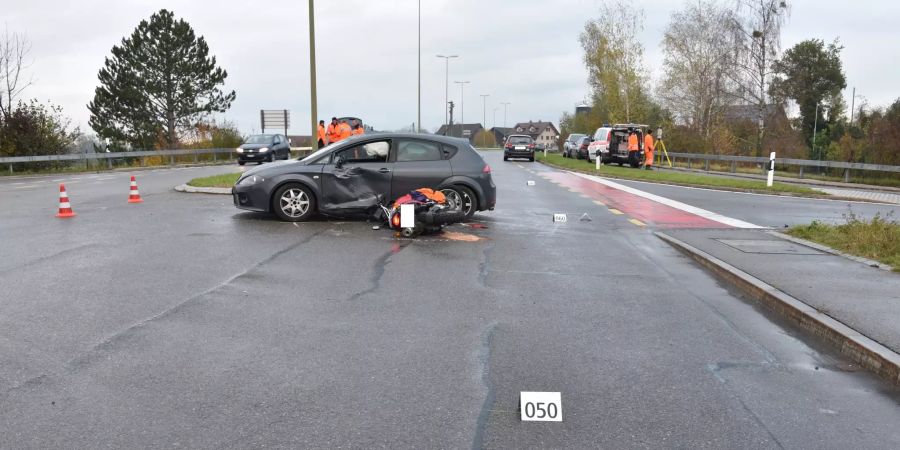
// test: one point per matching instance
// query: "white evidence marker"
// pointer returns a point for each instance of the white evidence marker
(531, 182)
(540, 406)
(407, 215)
(560, 218)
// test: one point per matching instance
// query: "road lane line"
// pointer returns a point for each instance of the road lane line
(616, 211)
(599, 203)
(709, 215)
(637, 222)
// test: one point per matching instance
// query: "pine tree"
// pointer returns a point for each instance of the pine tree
(160, 80)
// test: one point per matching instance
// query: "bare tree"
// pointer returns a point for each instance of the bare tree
(14, 49)
(699, 47)
(760, 31)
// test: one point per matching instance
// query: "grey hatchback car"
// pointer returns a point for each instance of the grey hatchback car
(264, 147)
(360, 173)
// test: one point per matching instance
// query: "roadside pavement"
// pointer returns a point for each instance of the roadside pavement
(865, 299)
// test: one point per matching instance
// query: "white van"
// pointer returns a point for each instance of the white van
(611, 142)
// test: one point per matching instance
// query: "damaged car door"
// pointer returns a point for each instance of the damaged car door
(357, 178)
(418, 164)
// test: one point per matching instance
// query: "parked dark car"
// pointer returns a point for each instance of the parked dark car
(358, 174)
(260, 148)
(581, 147)
(518, 146)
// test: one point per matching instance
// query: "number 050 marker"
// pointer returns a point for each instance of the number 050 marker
(541, 406)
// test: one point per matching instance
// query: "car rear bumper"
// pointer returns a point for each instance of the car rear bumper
(518, 154)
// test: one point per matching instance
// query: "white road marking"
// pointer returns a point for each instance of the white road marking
(671, 203)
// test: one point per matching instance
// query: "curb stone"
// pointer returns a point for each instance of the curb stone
(826, 249)
(868, 353)
(202, 190)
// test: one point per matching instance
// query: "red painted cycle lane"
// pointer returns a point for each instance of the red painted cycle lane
(645, 210)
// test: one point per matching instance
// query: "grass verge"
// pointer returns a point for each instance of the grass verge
(678, 178)
(877, 239)
(225, 180)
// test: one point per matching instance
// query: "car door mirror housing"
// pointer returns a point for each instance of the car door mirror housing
(338, 162)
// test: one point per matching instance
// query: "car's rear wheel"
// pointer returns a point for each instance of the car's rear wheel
(463, 198)
(293, 203)
(241, 163)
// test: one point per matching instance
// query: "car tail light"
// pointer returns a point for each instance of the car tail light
(395, 221)
(487, 169)
(530, 145)
(508, 145)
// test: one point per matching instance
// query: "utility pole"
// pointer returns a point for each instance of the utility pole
(462, 102)
(494, 122)
(446, 83)
(449, 131)
(312, 75)
(505, 104)
(419, 98)
(815, 125)
(484, 108)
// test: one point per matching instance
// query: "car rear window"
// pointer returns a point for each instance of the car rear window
(601, 134)
(519, 140)
(418, 151)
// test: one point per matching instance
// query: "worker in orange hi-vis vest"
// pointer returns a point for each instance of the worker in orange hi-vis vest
(632, 146)
(333, 132)
(649, 147)
(358, 128)
(323, 138)
(344, 130)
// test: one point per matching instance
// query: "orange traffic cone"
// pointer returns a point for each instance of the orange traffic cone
(65, 209)
(134, 196)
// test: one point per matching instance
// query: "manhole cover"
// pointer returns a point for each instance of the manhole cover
(769, 246)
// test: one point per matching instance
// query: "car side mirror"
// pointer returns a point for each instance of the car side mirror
(338, 162)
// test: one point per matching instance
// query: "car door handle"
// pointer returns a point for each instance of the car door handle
(384, 170)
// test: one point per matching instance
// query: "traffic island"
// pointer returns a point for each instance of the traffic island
(852, 306)
(215, 184)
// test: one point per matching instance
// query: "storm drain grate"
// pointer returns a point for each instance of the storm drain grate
(775, 247)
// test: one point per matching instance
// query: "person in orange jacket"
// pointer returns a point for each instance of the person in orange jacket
(323, 138)
(358, 128)
(333, 133)
(633, 146)
(344, 130)
(649, 148)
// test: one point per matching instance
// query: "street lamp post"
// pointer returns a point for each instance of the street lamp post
(494, 122)
(446, 83)
(505, 104)
(462, 102)
(312, 75)
(419, 91)
(484, 108)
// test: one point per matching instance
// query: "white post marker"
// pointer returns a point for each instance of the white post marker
(545, 151)
(407, 215)
(597, 162)
(771, 176)
(540, 406)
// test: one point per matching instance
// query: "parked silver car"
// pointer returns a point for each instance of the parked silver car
(570, 146)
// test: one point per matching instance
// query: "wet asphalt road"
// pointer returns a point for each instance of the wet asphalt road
(185, 322)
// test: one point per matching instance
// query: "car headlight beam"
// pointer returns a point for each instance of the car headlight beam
(264, 149)
(239, 150)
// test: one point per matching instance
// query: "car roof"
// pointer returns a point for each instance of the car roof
(449, 140)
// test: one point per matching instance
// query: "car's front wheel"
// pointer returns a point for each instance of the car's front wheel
(293, 203)
(462, 198)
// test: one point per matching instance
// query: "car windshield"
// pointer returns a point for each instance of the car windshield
(519, 140)
(260, 139)
(575, 137)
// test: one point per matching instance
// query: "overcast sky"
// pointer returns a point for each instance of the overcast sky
(525, 52)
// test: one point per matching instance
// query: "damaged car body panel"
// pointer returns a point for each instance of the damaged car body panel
(361, 173)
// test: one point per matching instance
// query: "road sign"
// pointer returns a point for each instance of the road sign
(274, 119)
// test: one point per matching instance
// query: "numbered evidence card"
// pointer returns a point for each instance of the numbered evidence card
(541, 406)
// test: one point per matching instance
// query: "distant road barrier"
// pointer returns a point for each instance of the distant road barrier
(763, 162)
(112, 156)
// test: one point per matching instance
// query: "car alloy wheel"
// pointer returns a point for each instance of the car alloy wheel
(294, 202)
(461, 199)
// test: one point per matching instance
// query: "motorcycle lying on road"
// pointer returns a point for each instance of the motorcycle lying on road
(432, 211)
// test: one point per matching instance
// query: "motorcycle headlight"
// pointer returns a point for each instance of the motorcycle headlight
(264, 149)
(249, 181)
(239, 150)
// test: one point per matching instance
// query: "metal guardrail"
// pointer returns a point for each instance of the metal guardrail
(109, 157)
(802, 163)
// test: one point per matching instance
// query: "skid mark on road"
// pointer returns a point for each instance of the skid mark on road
(484, 363)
